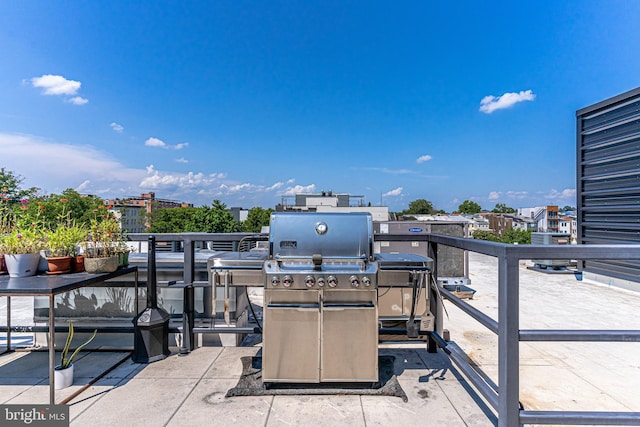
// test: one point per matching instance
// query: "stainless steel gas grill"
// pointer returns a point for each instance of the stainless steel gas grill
(322, 283)
(320, 299)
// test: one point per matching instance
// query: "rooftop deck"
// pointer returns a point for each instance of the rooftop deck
(190, 390)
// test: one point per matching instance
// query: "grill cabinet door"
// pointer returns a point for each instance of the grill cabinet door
(291, 340)
(349, 341)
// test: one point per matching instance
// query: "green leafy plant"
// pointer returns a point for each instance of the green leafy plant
(63, 240)
(102, 239)
(23, 241)
(66, 360)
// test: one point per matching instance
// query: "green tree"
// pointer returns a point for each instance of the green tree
(469, 207)
(11, 187)
(256, 219)
(216, 219)
(71, 207)
(502, 208)
(516, 235)
(173, 220)
(567, 209)
(486, 235)
(419, 207)
(205, 219)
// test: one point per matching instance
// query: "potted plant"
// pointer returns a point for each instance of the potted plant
(100, 254)
(123, 249)
(21, 251)
(64, 371)
(63, 248)
(58, 251)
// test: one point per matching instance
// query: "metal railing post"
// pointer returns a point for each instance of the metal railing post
(189, 260)
(508, 340)
(435, 305)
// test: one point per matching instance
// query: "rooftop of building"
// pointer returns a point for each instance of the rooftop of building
(190, 390)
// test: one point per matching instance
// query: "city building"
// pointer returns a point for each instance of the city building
(545, 216)
(133, 212)
(568, 225)
(239, 214)
(499, 222)
(328, 201)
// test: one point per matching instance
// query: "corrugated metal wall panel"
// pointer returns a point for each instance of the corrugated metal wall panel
(608, 172)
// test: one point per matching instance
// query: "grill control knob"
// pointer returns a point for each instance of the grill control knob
(287, 281)
(333, 282)
(309, 281)
(355, 282)
(275, 281)
(366, 281)
(321, 282)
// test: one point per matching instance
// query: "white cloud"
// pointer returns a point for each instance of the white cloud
(155, 142)
(491, 103)
(68, 166)
(297, 189)
(182, 160)
(83, 186)
(517, 195)
(394, 192)
(169, 181)
(116, 127)
(77, 100)
(275, 186)
(56, 85)
(494, 195)
(423, 159)
(567, 193)
(391, 171)
(92, 171)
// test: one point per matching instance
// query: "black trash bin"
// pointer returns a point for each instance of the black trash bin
(151, 326)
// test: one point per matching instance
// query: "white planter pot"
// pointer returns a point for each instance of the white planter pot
(22, 265)
(63, 378)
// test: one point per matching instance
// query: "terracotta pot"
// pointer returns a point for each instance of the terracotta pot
(77, 264)
(59, 264)
(101, 265)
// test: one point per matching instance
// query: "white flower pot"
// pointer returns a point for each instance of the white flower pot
(63, 377)
(22, 265)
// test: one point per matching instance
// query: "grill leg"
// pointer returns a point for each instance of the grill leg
(188, 312)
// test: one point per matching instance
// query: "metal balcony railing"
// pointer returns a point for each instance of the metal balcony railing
(505, 399)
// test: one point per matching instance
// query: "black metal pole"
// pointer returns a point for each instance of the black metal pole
(152, 284)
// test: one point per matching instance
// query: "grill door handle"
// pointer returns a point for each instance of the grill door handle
(293, 305)
(348, 305)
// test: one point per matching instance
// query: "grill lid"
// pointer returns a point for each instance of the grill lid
(331, 235)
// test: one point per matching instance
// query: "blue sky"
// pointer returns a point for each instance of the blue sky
(247, 102)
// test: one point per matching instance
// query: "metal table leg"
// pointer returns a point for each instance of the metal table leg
(52, 353)
(8, 324)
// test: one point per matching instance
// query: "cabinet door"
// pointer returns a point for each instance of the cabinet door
(349, 344)
(291, 344)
